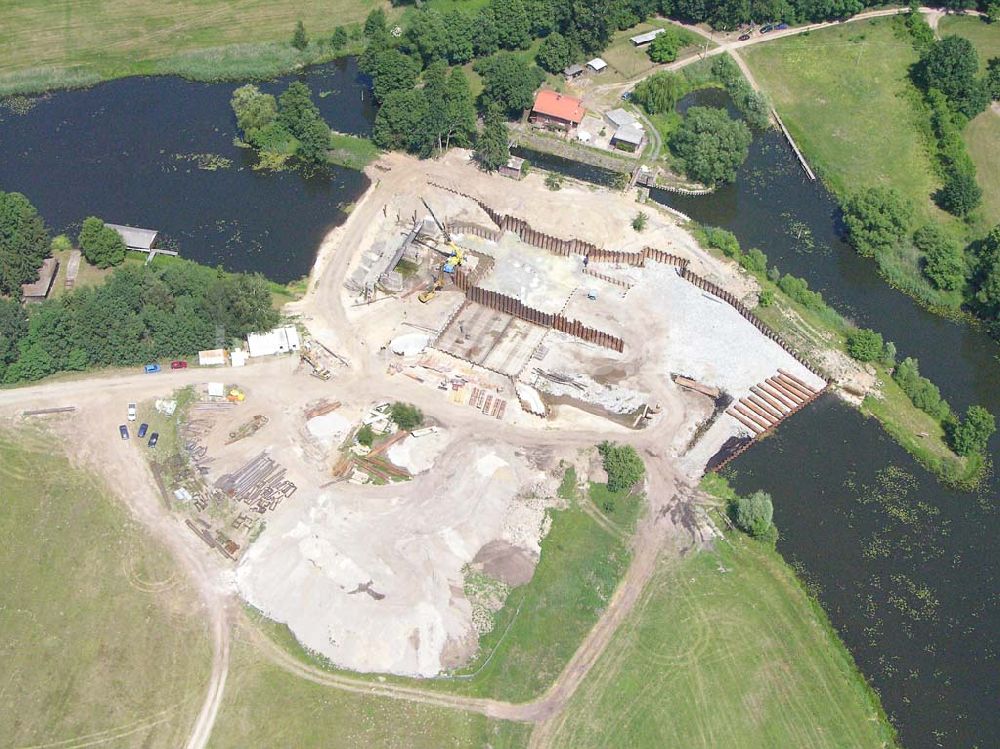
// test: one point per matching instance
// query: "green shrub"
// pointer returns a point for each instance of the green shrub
(754, 261)
(944, 260)
(622, 464)
(366, 435)
(864, 345)
(407, 416)
(721, 239)
(923, 393)
(798, 290)
(766, 298)
(753, 514)
(876, 219)
(101, 245)
(972, 434)
(61, 243)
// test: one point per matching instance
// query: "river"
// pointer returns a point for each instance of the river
(125, 151)
(904, 567)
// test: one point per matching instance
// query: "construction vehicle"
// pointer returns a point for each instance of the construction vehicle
(456, 259)
(431, 291)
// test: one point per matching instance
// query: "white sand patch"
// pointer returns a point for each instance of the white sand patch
(417, 454)
(329, 429)
(389, 601)
(410, 344)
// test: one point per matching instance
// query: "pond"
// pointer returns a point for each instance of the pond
(128, 150)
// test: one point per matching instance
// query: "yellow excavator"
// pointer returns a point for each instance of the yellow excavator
(454, 260)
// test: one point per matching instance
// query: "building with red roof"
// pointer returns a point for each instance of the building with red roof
(555, 110)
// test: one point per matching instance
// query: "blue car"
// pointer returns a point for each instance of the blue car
(142, 430)
(151, 368)
(781, 27)
(123, 431)
(153, 439)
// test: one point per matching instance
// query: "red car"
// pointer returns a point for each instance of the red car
(178, 364)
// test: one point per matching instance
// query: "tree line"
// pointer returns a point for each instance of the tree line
(140, 314)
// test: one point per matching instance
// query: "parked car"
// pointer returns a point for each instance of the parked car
(744, 37)
(151, 368)
(123, 431)
(627, 96)
(178, 364)
(765, 29)
(131, 412)
(781, 27)
(142, 430)
(153, 439)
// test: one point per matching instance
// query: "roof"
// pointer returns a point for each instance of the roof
(515, 162)
(620, 117)
(46, 273)
(597, 64)
(647, 37)
(559, 106)
(630, 134)
(574, 69)
(277, 341)
(135, 238)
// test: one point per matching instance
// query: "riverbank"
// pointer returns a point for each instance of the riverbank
(50, 45)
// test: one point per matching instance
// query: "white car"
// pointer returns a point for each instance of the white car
(131, 412)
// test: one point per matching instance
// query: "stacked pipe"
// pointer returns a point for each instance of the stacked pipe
(772, 401)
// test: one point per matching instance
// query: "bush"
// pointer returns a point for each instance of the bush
(665, 46)
(339, 37)
(553, 181)
(864, 345)
(923, 393)
(960, 194)
(366, 435)
(973, 433)
(797, 289)
(754, 514)
(754, 261)
(660, 92)
(766, 298)
(876, 219)
(640, 220)
(721, 239)
(944, 260)
(61, 243)
(622, 464)
(407, 416)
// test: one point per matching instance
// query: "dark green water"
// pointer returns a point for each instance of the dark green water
(121, 150)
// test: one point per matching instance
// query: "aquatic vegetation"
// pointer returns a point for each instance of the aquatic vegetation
(208, 162)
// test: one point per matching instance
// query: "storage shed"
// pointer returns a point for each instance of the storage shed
(628, 138)
(597, 65)
(38, 290)
(641, 39)
(573, 71)
(136, 238)
(278, 341)
(513, 168)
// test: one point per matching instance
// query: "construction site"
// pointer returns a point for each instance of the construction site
(521, 327)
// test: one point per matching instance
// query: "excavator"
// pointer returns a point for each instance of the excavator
(454, 260)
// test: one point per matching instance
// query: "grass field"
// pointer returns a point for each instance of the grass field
(725, 649)
(984, 36)
(626, 61)
(267, 707)
(101, 640)
(86, 40)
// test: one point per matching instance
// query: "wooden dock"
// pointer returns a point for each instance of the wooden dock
(791, 142)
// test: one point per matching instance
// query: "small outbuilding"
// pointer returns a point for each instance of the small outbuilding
(620, 117)
(640, 40)
(38, 290)
(215, 357)
(628, 138)
(556, 111)
(573, 71)
(514, 168)
(136, 238)
(278, 341)
(597, 65)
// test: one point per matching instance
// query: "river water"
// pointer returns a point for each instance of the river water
(125, 151)
(904, 567)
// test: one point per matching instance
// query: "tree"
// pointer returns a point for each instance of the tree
(590, 24)
(864, 345)
(338, 38)
(458, 47)
(660, 92)
(393, 71)
(622, 464)
(993, 75)
(299, 39)
(993, 11)
(314, 142)
(555, 53)
(366, 435)
(254, 111)
(508, 82)
(400, 122)
(512, 23)
(485, 39)
(985, 255)
(13, 326)
(101, 245)
(973, 433)
(640, 220)
(754, 514)
(461, 108)
(665, 46)
(296, 109)
(427, 35)
(952, 66)
(493, 144)
(944, 261)
(876, 218)
(407, 416)
(960, 195)
(24, 243)
(711, 144)
(375, 23)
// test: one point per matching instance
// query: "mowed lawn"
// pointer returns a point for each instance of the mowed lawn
(100, 637)
(844, 94)
(265, 706)
(120, 37)
(724, 650)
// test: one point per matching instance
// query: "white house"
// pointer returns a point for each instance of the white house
(278, 341)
